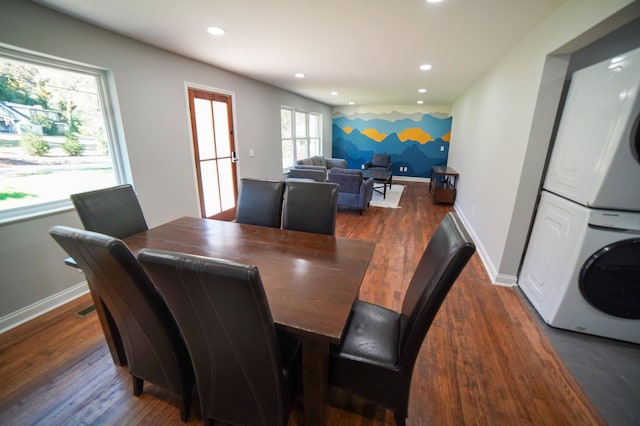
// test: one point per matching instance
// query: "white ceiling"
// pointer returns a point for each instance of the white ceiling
(369, 51)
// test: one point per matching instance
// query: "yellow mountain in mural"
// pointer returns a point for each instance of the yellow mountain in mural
(348, 129)
(415, 134)
(374, 134)
(446, 137)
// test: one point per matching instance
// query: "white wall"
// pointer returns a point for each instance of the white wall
(150, 85)
(493, 133)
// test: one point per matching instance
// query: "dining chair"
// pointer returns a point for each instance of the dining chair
(260, 202)
(378, 351)
(114, 211)
(310, 207)
(245, 371)
(152, 343)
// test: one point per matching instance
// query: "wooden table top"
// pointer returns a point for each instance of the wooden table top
(311, 280)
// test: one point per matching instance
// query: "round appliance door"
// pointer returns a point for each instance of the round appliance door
(610, 279)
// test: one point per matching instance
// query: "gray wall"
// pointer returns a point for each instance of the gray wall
(150, 88)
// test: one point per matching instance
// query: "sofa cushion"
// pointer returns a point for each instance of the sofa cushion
(318, 160)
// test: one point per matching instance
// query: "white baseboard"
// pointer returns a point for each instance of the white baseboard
(27, 313)
(410, 179)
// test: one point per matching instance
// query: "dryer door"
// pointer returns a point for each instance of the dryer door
(610, 279)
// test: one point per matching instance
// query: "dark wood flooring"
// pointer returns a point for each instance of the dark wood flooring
(485, 360)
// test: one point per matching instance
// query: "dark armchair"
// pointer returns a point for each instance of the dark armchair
(379, 161)
(245, 372)
(379, 349)
(354, 191)
(154, 348)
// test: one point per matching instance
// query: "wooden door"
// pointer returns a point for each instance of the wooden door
(214, 147)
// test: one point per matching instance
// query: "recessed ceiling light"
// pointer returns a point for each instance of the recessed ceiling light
(420, 102)
(217, 31)
(334, 93)
(352, 103)
(300, 75)
(434, 1)
(425, 67)
(422, 90)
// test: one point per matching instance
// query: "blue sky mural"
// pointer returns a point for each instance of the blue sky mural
(416, 141)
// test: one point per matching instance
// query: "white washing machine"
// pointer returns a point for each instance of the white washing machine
(595, 160)
(582, 268)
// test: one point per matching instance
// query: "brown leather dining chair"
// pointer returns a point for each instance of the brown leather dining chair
(154, 348)
(377, 354)
(260, 202)
(116, 212)
(310, 207)
(245, 371)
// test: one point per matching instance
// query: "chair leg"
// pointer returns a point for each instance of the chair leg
(185, 408)
(138, 384)
(400, 420)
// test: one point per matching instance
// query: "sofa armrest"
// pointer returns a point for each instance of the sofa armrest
(317, 173)
(336, 162)
(366, 191)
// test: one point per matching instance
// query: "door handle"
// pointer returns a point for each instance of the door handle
(234, 157)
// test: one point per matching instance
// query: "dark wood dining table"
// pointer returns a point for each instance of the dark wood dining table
(311, 282)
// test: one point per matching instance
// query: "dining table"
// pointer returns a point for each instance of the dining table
(311, 282)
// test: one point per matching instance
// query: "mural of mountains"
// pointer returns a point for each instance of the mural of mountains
(416, 141)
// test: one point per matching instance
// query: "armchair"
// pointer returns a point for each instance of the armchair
(354, 192)
(379, 161)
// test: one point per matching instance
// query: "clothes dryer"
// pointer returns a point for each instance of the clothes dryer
(581, 270)
(595, 160)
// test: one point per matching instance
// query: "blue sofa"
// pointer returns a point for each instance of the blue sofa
(354, 192)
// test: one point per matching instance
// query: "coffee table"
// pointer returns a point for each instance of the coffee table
(380, 176)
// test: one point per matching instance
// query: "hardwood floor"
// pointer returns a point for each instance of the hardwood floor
(485, 360)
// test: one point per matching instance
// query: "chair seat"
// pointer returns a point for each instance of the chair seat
(372, 335)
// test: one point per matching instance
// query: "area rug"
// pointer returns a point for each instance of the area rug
(391, 201)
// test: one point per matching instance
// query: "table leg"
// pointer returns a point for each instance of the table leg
(315, 368)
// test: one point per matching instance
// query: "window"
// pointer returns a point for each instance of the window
(301, 135)
(57, 135)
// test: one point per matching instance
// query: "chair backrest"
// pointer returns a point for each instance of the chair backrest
(154, 348)
(349, 180)
(112, 211)
(448, 251)
(310, 207)
(223, 313)
(380, 160)
(260, 202)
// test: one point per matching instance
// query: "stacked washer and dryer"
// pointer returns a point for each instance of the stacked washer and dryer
(581, 270)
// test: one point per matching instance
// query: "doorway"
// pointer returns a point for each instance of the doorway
(215, 153)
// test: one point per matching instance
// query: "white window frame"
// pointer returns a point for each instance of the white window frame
(295, 138)
(113, 133)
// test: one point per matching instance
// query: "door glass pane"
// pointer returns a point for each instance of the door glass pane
(225, 174)
(301, 124)
(221, 129)
(285, 123)
(204, 129)
(211, 194)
